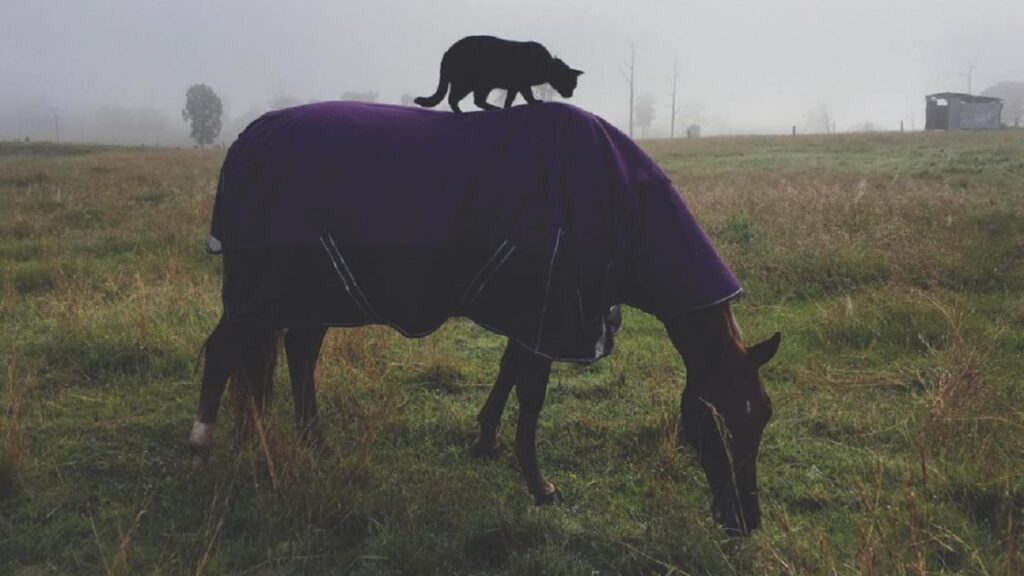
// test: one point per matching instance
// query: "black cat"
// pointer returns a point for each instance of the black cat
(479, 64)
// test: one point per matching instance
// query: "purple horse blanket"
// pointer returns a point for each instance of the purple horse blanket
(535, 222)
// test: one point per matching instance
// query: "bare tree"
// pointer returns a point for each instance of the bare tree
(820, 116)
(675, 78)
(629, 78)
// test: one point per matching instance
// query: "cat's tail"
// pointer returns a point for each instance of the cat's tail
(435, 99)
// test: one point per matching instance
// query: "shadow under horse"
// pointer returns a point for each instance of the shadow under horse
(536, 223)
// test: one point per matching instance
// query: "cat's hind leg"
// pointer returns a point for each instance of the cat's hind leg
(527, 93)
(510, 97)
(480, 99)
(455, 94)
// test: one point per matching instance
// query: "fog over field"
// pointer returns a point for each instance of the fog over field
(113, 70)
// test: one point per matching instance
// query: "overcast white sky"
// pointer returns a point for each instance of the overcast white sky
(745, 66)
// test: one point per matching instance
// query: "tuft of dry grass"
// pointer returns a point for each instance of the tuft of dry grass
(956, 392)
(17, 394)
(359, 353)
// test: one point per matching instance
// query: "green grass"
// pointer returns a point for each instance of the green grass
(893, 265)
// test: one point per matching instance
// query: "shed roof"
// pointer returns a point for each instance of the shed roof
(961, 96)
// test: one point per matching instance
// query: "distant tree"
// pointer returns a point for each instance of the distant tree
(644, 112)
(368, 96)
(1012, 95)
(203, 109)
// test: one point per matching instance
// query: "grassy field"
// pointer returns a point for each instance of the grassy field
(893, 265)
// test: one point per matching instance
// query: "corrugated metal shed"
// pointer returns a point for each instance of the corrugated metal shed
(957, 111)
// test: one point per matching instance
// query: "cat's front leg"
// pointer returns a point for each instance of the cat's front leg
(510, 97)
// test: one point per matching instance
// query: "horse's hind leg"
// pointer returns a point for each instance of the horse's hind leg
(489, 417)
(302, 347)
(221, 358)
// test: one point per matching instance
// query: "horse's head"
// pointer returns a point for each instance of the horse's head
(724, 410)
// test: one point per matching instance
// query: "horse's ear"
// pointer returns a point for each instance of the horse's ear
(761, 353)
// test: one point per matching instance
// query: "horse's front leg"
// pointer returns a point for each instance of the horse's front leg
(302, 347)
(489, 417)
(531, 380)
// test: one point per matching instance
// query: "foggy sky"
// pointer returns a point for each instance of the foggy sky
(744, 66)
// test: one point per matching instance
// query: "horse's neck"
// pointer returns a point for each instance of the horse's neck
(702, 336)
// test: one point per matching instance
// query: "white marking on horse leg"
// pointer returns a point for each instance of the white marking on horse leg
(201, 438)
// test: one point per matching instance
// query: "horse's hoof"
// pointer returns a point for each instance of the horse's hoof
(484, 451)
(200, 455)
(554, 497)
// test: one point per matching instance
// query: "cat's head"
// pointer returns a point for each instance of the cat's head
(562, 78)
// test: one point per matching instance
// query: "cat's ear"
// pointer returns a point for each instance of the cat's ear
(577, 72)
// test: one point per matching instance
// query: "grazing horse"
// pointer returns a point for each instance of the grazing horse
(536, 223)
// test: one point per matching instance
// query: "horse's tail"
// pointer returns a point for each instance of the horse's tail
(442, 89)
(251, 384)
